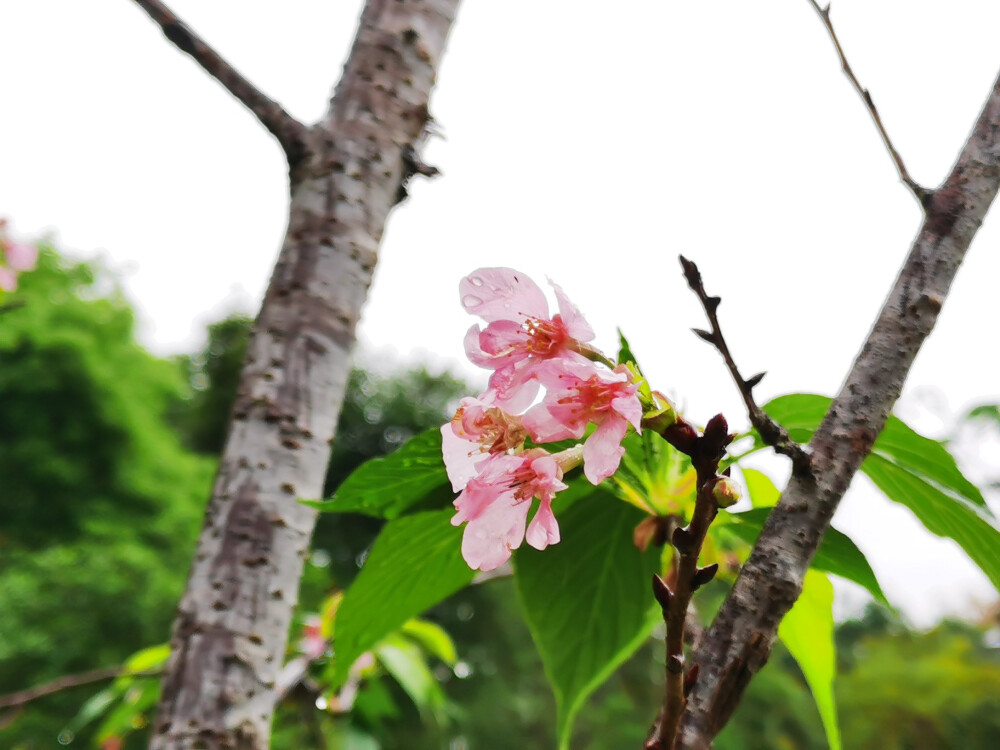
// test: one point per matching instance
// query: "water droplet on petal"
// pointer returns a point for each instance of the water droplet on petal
(471, 300)
(476, 280)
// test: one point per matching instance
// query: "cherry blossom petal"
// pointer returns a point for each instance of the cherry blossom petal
(602, 452)
(572, 318)
(504, 340)
(515, 387)
(545, 427)
(543, 529)
(502, 294)
(630, 408)
(477, 497)
(460, 457)
(547, 473)
(488, 539)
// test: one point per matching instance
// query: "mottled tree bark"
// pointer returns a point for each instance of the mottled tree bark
(346, 173)
(740, 639)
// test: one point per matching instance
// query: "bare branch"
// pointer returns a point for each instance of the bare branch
(674, 595)
(770, 431)
(921, 193)
(23, 697)
(740, 639)
(289, 131)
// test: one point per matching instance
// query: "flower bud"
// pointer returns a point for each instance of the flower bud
(726, 492)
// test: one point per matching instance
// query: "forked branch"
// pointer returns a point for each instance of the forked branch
(740, 639)
(289, 131)
(921, 193)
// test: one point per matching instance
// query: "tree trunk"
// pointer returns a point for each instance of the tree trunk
(346, 173)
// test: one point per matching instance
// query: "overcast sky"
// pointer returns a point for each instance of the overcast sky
(590, 142)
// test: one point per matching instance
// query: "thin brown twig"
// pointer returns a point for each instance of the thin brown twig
(67, 682)
(772, 433)
(921, 193)
(706, 452)
(289, 131)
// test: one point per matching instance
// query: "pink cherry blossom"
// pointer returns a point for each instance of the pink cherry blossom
(495, 504)
(477, 430)
(519, 334)
(577, 395)
(21, 256)
(313, 644)
(8, 280)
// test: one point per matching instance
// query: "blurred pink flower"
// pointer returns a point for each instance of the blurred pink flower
(21, 256)
(477, 430)
(577, 394)
(519, 334)
(313, 644)
(495, 504)
(8, 279)
(14, 258)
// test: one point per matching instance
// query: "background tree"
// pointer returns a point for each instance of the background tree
(101, 502)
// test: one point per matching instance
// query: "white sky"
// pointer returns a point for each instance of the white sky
(586, 141)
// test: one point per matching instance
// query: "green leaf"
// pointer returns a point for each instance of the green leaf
(94, 706)
(138, 701)
(144, 660)
(985, 412)
(916, 472)
(587, 600)
(388, 486)
(763, 493)
(147, 659)
(946, 515)
(653, 476)
(837, 554)
(625, 352)
(927, 459)
(405, 662)
(432, 638)
(415, 563)
(375, 704)
(807, 632)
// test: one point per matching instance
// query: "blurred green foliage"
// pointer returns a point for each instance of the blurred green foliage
(100, 501)
(106, 459)
(906, 690)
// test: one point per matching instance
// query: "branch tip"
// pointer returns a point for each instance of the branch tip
(916, 189)
(772, 433)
